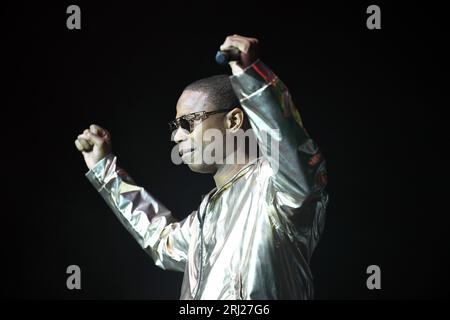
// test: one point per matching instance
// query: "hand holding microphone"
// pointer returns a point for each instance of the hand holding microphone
(239, 52)
(223, 57)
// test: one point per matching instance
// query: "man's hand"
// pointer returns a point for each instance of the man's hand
(248, 47)
(94, 143)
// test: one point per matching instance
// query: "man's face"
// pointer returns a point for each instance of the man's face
(191, 145)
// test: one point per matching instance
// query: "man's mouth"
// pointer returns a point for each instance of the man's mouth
(185, 152)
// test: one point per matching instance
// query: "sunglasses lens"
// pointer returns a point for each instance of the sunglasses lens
(184, 124)
(172, 126)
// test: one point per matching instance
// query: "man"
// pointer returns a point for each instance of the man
(253, 235)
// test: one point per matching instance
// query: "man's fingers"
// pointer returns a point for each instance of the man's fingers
(84, 144)
(237, 43)
(85, 136)
(79, 146)
(95, 139)
(98, 139)
(92, 138)
(242, 43)
(99, 131)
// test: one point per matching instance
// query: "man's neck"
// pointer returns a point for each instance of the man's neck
(226, 172)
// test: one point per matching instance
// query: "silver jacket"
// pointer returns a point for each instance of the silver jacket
(252, 238)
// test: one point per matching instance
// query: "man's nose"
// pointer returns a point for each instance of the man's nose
(180, 134)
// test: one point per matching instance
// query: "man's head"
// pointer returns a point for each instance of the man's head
(210, 94)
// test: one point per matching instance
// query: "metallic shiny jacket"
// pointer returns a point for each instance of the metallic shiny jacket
(253, 238)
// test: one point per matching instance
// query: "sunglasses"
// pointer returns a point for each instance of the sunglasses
(187, 122)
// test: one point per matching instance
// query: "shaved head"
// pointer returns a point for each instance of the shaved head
(220, 93)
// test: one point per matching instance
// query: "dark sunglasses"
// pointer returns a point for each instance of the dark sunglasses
(187, 121)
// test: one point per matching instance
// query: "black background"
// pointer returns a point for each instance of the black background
(366, 96)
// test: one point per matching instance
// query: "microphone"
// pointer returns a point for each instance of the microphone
(225, 56)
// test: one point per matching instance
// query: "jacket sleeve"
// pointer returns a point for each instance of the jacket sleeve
(297, 164)
(150, 223)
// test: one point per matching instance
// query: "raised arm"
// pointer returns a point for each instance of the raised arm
(150, 223)
(299, 168)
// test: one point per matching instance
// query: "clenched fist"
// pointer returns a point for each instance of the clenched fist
(94, 143)
(248, 48)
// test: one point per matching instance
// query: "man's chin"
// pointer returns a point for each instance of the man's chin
(201, 168)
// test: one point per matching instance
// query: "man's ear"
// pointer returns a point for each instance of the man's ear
(235, 119)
